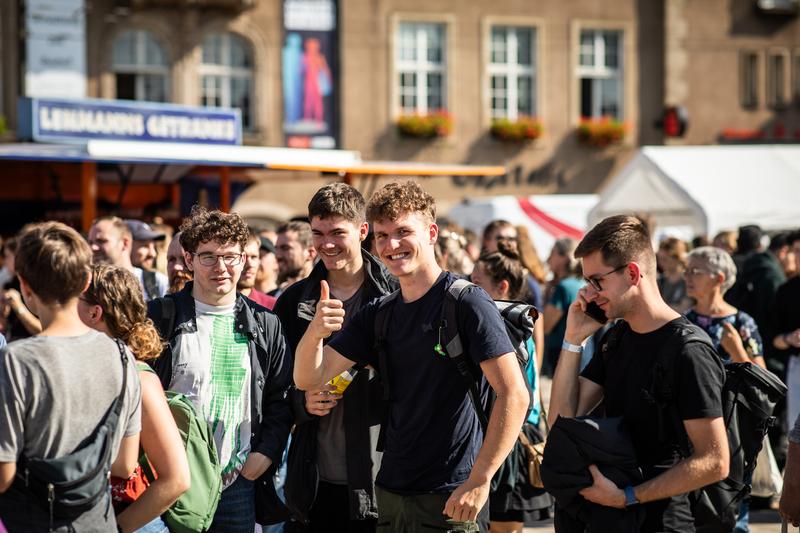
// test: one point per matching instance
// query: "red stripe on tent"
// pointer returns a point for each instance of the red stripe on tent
(552, 226)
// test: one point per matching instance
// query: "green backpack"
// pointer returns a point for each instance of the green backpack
(194, 511)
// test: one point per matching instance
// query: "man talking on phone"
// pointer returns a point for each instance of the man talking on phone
(619, 266)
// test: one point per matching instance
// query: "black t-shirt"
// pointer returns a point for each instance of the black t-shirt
(627, 374)
(433, 435)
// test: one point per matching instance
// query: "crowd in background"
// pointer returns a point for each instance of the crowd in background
(742, 287)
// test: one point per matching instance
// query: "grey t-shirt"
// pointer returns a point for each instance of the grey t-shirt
(331, 442)
(53, 393)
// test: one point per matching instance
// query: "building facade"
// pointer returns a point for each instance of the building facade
(732, 65)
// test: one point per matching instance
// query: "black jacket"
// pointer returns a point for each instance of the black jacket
(271, 368)
(572, 445)
(362, 402)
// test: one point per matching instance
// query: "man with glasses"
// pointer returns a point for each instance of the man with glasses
(227, 354)
(620, 270)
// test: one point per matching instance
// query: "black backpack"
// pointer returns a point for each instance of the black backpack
(749, 396)
(518, 318)
(70, 485)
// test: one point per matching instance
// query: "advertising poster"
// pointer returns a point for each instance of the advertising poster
(309, 64)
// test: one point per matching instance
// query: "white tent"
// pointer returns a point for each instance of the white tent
(695, 190)
(547, 216)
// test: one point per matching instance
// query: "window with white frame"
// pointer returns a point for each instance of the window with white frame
(140, 67)
(512, 72)
(600, 73)
(420, 67)
(226, 75)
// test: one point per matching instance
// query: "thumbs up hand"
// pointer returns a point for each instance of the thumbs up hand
(329, 316)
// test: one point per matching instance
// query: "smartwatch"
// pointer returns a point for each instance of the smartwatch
(630, 496)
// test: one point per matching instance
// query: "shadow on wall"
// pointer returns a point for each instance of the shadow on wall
(392, 145)
(572, 167)
(747, 19)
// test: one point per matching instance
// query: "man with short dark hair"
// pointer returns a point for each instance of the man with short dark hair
(227, 354)
(619, 266)
(247, 281)
(333, 430)
(267, 277)
(57, 387)
(437, 463)
(111, 241)
(295, 253)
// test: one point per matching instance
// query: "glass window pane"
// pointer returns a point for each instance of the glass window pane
(498, 82)
(407, 42)
(241, 97)
(587, 48)
(212, 49)
(408, 91)
(211, 91)
(525, 96)
(154, 53)
(610, 98)
(240, 52)
(524, 46)
(125, 49)
(499, 38)
(586, 97)
(796, 78)
(126, 86)
(435, 92)
(155, 88)
(612, 48)
(435, 42)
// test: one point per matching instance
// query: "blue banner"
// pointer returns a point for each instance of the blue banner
(53, 120)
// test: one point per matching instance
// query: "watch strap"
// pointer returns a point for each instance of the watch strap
(630, 496)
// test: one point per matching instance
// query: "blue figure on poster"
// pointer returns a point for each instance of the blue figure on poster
(293, 78)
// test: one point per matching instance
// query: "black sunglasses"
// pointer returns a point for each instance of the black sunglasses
(594, 281)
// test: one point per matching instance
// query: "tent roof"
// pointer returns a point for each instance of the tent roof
(709, 188)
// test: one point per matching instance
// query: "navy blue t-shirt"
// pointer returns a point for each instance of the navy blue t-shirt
(433, 435)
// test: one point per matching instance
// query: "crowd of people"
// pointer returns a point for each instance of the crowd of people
(315, 357)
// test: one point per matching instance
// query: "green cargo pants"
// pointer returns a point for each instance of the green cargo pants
(420, 513)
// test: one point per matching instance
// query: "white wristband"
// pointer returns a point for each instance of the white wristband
(574, 348)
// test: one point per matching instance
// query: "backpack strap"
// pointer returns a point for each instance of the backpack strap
(454, 348)
(382, 317)
(663, 388)
(150, 284)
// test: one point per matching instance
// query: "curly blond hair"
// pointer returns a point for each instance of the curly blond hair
(394, 200)
(119, 294)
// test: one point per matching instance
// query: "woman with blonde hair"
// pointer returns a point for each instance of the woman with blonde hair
(114, 304)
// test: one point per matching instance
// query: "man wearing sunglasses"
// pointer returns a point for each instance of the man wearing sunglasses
(227, 354)
(620, 270)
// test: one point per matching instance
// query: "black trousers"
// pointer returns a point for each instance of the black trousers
(331, 512)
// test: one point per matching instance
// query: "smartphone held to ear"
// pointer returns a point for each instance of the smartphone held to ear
(595, 312)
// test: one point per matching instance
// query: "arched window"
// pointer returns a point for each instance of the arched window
(140, 67)
(226, 74)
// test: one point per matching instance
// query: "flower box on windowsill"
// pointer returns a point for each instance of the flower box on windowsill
(600, 132)
(521, 130)
(438, 124)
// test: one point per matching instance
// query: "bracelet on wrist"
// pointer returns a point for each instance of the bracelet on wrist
(569, 347)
